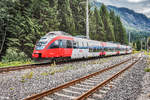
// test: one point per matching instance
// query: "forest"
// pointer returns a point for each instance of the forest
(23, 22)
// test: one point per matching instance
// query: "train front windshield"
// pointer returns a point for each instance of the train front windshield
(40, 45)
(44, 41)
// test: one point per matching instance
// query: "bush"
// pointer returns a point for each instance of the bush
(13, 54)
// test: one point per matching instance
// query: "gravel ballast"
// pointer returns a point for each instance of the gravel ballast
(145, 93)
(102, 77)
(129, 85)
(20, 84)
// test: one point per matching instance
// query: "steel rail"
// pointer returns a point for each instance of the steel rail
(30, 66)
(51, 91)
(94, 89)
(14, 68)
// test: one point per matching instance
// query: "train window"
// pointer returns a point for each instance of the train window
(87, 46)
(69, 44)
(108, 48)
(77, 44)
(94, 49)
(111, 49)
(117, 49)
(105, 49)
(114, 49)
(74, 44)
(60, 43)
(40, 45)
(90, 49)
(82, 45)
(100, 48)
(55, 44)
(64, 45)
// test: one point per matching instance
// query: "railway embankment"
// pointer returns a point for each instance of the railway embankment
(145, 91)
(16, 85)
(131, 85)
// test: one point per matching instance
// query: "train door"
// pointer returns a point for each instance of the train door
(104, 44)
(67, 51)
(118, 49)
(54, 49)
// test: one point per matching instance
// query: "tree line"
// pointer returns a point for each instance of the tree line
(23, 22)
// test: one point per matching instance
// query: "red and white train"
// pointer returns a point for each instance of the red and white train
(58, 44)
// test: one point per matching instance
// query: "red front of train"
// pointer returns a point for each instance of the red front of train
(51, 46)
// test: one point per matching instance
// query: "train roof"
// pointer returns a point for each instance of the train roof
(58, 33)
(61, 33)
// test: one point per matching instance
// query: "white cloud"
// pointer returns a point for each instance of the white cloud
(145, 11)
(136, 1)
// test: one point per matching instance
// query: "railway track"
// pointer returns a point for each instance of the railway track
(89, 87)
(30, 66)
(14, 68)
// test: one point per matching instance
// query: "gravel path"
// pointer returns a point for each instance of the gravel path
(20, 84)
(129, 84)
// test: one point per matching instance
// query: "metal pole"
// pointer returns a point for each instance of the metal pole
(87, 19)
(129, 37)
(141, 45)
(147, 44)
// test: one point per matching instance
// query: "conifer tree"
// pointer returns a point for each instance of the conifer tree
(97, 26)
(138, 45)
(5, 17)
(113, 21)
(45, 11)
(107, 23)
(25, 21)
(79, 16)
(121, 35)
(65, 16)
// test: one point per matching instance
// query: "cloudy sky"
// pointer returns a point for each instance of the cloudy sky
(141, 6)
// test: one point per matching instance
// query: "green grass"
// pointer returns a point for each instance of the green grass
(27, 76)
(147, 69)
(54, 70)
(45, 73)
(14, 63)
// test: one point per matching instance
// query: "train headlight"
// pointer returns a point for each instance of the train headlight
(35, 55)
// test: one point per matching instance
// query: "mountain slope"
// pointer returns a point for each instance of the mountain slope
(130, 19)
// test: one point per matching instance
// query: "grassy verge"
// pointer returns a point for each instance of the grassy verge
(14, 63)
(135, 51)
(147, 69)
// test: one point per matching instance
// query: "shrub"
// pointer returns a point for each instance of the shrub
(147, 69)
(13, 54)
